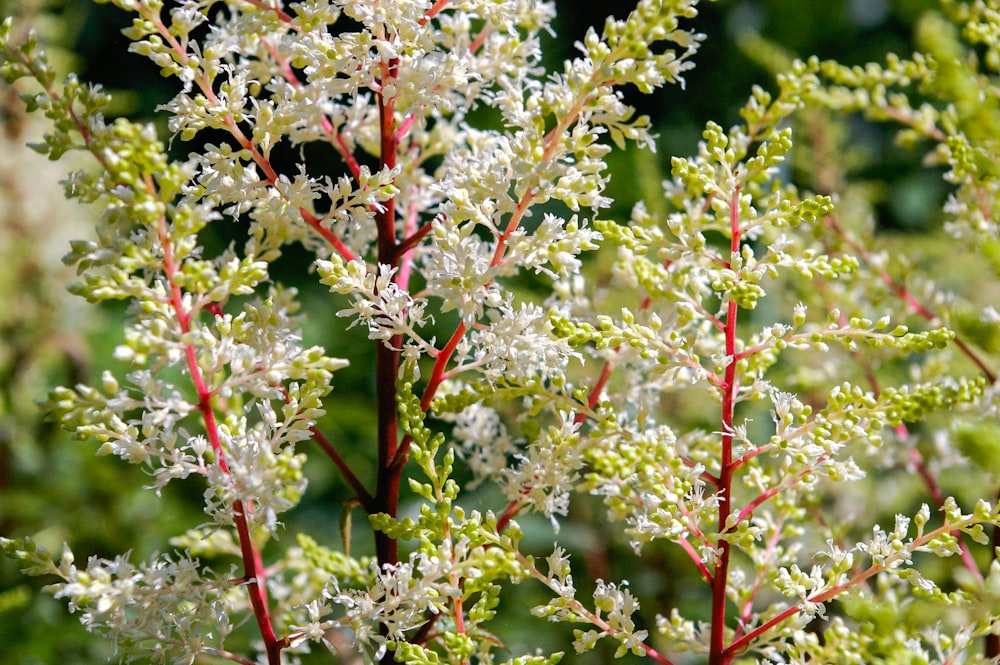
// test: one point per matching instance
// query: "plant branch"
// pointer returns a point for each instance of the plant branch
(584, 613)
(336, 139)
(433, 11)
(906, 296)
(412, 240)
(717, 654)
(386, 354)
(205, 85)
(932, 486)
(364, 496)
(738, 645)
(253, 569)
(693, 555)
(222, 653)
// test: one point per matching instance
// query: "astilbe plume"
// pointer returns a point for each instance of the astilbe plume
(721, 376)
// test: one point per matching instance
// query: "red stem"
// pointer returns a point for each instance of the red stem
(364, 496)
(282, 15)
(253, 568)
(228, 655)
(702, 568)
(440, 363)
(327, 234)
(717, 653)
(595, 392)
(409, 230)
(433, 11)
(481, 38)
(508, 514)
(386, 355)
(761, 498)
(414, 239)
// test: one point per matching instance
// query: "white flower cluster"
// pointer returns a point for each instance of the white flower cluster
(404, 596)
(516, 345)
(483, 442)
(644, 484)
(254, 471)
(615, 605)
(169, 607)
(379, 303)
(255, 354)
(546, 472)
(890, 549)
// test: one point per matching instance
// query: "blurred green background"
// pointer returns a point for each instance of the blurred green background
(52, 488)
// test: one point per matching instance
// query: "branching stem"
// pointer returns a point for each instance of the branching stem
(729, 389)
(389, 470)
(253, 568)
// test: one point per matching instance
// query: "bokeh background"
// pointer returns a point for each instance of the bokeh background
(53, 489)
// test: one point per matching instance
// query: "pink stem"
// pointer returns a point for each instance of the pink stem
(253, 569)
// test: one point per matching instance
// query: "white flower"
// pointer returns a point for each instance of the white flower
(168, 605)
(547, 471)
(516, 345)
(484, 442)
(458, 268)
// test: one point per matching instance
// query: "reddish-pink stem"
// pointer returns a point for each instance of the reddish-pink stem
(595, 392)
(406, 262)
(434, 10)
(228, 655)
(253, 569)
(717, 654)
(480, 38)
(282, 15)
(411, 241)
(327, 234)
(693, 555)
(440, 363)
(508, 514)
(405, 125)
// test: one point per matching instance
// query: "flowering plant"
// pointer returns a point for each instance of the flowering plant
(723, 370)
